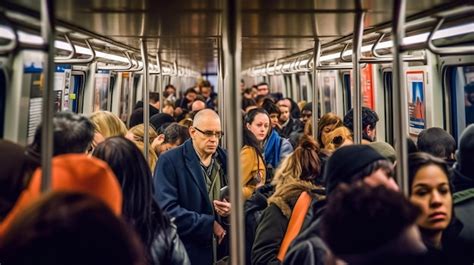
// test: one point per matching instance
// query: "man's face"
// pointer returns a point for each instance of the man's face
(306, 116)
(206, 92)
(204, 136)
(285, 113)
(263, 90)
(191, 96)
(170, 91)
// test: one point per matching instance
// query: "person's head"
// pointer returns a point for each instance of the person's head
(263, 89)
(257, 121)
(469, 90)
(135, 177)
(247, 93)
(159, 120)
(154, 98)
(306, 112)
(430, 191)
(70, 228)
(190, 94)
(72, 133)
(369, 120)
(170, 90)
(327, 124)
(206, 132)
(14, 174)
(358, 163)
(370, 224)
(465, 153)
(107, 125)
(273, 111)
(173, 136)
(248, 104)
(385, 149)
(198, 105)
(285, 113)
(303, 164)
(206, 89)
(437, 142)
(137, 135)
(336, 138)
(168, 108)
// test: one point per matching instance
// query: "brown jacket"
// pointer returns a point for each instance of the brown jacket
(253, 167)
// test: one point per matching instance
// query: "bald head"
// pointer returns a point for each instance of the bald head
(198, 105)
(205, 116)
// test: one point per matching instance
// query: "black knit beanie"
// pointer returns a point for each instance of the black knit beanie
(346, 162)
(465, 154)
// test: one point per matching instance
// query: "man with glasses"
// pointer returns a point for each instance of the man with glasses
(188, 180)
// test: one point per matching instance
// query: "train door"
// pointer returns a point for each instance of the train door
(388, 104)
(459, 97)
(76, 93)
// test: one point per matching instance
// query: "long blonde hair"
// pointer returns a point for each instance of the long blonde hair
(108, 124)
(138, 133)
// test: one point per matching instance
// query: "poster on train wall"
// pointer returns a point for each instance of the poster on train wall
(100, 91)
(327, 84)
(416, 101)
(367, 87)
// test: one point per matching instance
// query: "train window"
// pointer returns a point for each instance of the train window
(460, 86)
(102, 80)
(347, 97)
(3, 95)
(327, 84)
(77, 91)
(305, 91)
(125, 97)
(388, 103)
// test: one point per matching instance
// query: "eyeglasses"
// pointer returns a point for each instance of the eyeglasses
(209, 134)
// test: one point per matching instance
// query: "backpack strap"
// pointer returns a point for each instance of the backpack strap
(296, 222)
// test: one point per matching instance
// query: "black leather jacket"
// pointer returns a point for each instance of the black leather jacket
(167, 248)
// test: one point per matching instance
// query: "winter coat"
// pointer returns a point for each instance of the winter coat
(274, 221)
(167, 248)
(253, 170)
(181, 192)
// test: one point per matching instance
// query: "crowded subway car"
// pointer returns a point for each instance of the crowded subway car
(237, 132)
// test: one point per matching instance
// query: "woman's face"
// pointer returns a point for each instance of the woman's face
(275, 119)
(259, 126)
(325, 130)
(431, 192)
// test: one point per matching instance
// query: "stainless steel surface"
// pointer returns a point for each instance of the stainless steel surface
(357, 80)
(48, 35)
(466, 50)
(126, 67)
(88, 60)
(399, 99)
(146, 100)
(316, 56)
(232, 58)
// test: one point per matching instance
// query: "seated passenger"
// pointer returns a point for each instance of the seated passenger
(369, 121)
(327, 124)
(136, 134)
(154, 100)
(75, 173)
(306, 113)
(430, 190)
(72, 133)
(173, 136)
(366, 225)
(106, 125)
(64, 228)
(13, 174)
(289, 125)
(437, 142)
(183, 105)
(338, 137)
(298, 173)
(157, 233)
(168, 108)
(256, 128)
(348, 164)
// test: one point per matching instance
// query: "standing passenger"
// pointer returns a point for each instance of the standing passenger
(369, 121)
(188, 180)
(106, 125)
(437, 142)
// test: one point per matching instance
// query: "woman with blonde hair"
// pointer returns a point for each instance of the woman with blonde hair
(327, 124)
(338, 137)
(137, 135)
(297, 174)
(106, 125)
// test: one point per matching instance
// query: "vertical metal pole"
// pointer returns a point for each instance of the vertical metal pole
(146, 99)
(399, 100)
(48, 34)
(315, 113)
(356, 54)
(160, 81)
(220, 88)
(232, 58)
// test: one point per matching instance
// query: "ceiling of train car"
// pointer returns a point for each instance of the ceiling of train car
(187, 31)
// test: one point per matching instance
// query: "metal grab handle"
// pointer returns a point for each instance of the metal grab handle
(341, 56)
(135, 65)
(13, 44)
(79, 61)
(73, 50)
(465, 50)
(374, 48)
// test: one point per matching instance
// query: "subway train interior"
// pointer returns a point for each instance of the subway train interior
(410, 62)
